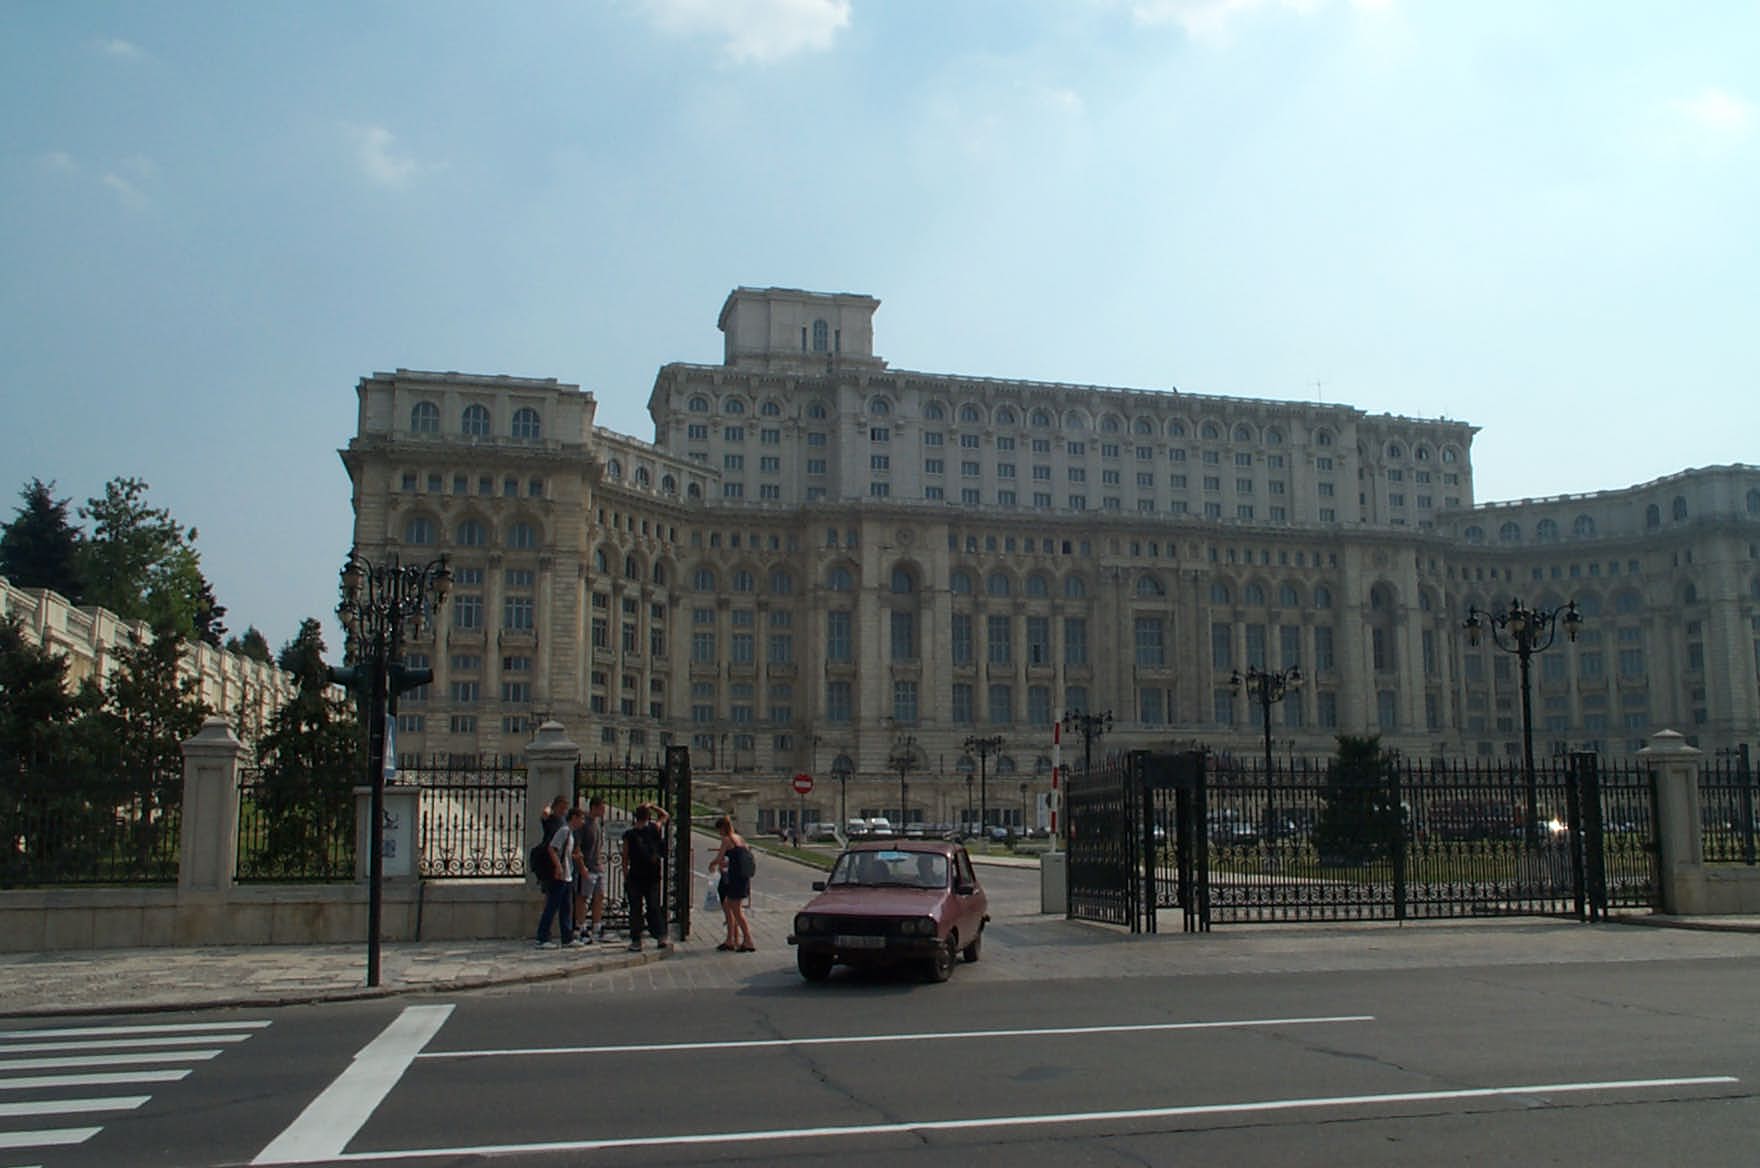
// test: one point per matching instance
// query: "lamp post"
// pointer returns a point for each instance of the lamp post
(1525, 632)
(903, 758)
(1023, 810)
(1090, 726)
(840, 768)
(1268, 687)
(381, 604)
(983, 747)
(970, 779)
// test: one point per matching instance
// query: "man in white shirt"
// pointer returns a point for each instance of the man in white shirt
(559, 890)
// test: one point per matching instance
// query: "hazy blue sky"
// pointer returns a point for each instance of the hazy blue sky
(214, 218)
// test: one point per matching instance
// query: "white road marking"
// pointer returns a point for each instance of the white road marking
(854, 1039)
(72, 1106)
(107, 1060)
(189, 1028)
(97, 1079)
(51, 1138)
(7, 1048)
(324, 1128)
(733, 1138)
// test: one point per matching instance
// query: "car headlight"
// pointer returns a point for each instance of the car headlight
(806, 923)
(917, 926)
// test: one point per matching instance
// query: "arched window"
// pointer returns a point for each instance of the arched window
(996, 584)
(1074, 587)
(821, 337)
(1243, 433)
(968, 414)
(933, 412)
(1546, 531)
(1589, 604)
(1475, 534)
(470, 533)
(1176, 429)
(1380, 598)
(614, 470)
(1627, 602)
(1322, 596)
(1254, 595)
(631, 569)
(771, 409)
(641, 476)
(526, 425)
(1038, 585)
(1510, 532)
(838, 579)
(1583, 525)
(1394, 451)
(669, 484)
(1211, 431)
(1219, 593)
(698, 405)
(960, 582)
(1005, 765)
(601, 562)
(902, 581)
(419, 529)
(732, 405)
(1450, 454)
(1689, 593)
(1040, 420)
(1142, 426)
(424, 418)
(660, 574)
(1652, 516)
(1288, 597)
(879, 407)
(1149, 585)
(703, 579)
(1075, 421)
(1005, 416)
(1424, 604)
(694, 491)
(1274, 437)
(522, 536)
(475, 421)
(781, 582)
(1110, 424)
(1422, 454)
(744, 581)
(1680, 508)
(816, 411)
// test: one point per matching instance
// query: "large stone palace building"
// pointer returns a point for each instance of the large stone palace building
(825, 564)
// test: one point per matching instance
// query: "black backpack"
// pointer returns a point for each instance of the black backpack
(745, 864)
(541, 865)
(644, 857)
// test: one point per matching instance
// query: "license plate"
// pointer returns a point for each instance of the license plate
(844, 942)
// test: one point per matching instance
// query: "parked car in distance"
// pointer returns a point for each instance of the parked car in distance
(900, 901)
(856, 828)
(880, 827)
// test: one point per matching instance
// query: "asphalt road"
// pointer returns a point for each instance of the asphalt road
(1625, 1050)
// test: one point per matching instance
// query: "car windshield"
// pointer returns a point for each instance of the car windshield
(890, 869)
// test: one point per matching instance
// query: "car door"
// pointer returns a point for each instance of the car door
(971, 907)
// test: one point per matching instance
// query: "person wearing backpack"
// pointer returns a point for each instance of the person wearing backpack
(644, 864)
(737, 865)
(559, 888)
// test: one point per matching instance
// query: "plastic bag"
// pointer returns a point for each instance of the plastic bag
(711, 898)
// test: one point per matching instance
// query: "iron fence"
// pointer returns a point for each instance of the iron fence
(1729, 801)
(625, 785)
(295, 825)
(103, 832)
(472, 816)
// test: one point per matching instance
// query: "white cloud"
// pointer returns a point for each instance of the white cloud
(757, 31)
(374, 150)
(128, 194)
(1208, 21)
(1716, 112)
(117, 47)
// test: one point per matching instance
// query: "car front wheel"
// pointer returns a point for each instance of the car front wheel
(941, 965)
(813, 966)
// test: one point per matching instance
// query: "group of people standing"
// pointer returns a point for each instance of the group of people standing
(574, 888)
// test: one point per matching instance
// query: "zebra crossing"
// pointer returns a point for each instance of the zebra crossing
(58, 1084)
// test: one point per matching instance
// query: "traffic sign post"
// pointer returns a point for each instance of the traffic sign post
(803, 786)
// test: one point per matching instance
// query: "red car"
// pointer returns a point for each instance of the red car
(890, 901)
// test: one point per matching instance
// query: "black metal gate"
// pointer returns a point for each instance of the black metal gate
(1226, 842)
(625, 786)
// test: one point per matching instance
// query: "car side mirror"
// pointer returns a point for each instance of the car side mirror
(964, 889)
(818, 886)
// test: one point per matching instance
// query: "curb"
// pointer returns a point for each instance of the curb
(1699, 925)
(351, 994)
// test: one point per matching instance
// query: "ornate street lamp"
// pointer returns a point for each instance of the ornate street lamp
(840, 768)
(381, 605)
(1267, 687)
(903, 759)
(1525, 632)
(984, 747)
(1090, 726)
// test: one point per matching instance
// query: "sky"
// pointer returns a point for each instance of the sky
(216, 217)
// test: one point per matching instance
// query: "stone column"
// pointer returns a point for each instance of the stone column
(1674, 769)
(209, 828)
(551, 759)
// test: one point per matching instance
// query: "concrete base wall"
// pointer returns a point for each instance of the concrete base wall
(36, 921)
(1717, 890)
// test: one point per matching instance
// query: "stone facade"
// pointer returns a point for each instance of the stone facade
(819, 556)
(245, 690)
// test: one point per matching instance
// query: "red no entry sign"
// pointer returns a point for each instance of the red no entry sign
(803, 784)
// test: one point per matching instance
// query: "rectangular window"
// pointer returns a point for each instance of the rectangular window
(1038, 705)
(1152, 706)
(962, 703)
(1387, 709)
(1221, 646)
(904, 636)
(467, 610)
(741, 649)
(961, 638)
(1075, 640)
(516, 613)
(839, 645)
(1326, 709)
(703, 648)
(904, 701)
(998, 636)
(1150, 651)
(1038, 640)
(1001, 705)
(1323, 655)
(837, 701)
(1289, 645)
(1222, 707)
(781, 648)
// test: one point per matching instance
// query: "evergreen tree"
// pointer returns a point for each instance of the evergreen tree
(40, 548)
(310, 760)
(150, 707)
(252, 644)
(1359, 818)
(44, 767)
(142, 564)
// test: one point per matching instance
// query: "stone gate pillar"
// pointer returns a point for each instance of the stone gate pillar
(209, 829)
(1674, 770)
(551, 759)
